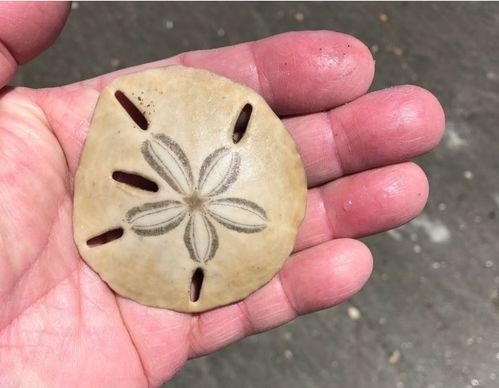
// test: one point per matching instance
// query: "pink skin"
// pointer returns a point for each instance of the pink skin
(60, 325)
(27, 29)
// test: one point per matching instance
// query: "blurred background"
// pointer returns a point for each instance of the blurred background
(429, 316)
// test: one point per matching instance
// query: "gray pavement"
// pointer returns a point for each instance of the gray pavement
(429, 316)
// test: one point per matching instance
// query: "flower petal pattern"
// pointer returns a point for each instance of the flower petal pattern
(219, 171)
(166, 157)
(154, 219)
(200, 238)
(238, 214)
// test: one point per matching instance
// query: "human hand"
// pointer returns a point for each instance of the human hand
(60, 325)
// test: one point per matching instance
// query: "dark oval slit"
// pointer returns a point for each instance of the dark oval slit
(134, 112)
(105, 237)
(135, 180)
(242, 123)
(196, 285)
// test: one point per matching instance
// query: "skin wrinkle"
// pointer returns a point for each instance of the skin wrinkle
(16, 97)
(43, 98)
(347, 149)
(150, 367)
(204, 326)
(343, 62)
(180, 59)
(134, 347)
(39, 299)
(268, 311)
(35, 110)
(193, 334)
(247, 321)
(3, 258)
(415, 140)
(334, 131)
(274, 314)
(260, 75)
(409, 113)
(44, 123)
(287, 296)
(196, 349)
(229, 330)
(326, 214)
(308, 234)
(11, 156)
(31, 267)
(78, 324)
(81, 321)
(347, 287)
(132, 342)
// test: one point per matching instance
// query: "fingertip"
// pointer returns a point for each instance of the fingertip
(319, 69)
(435, 115)
(359, 73)
(327, 274)
(359, 259)
(351, 264)
(420, 112)
(375, 200)
(416, 177)
(402, 192)
(410, 116)
(402, 188)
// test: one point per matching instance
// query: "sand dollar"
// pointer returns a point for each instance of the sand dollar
(189, 191)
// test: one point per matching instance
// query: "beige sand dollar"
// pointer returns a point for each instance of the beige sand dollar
(189, 191)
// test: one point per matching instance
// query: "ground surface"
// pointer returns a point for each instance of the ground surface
(429, 317)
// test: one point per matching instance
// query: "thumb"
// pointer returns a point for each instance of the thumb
(26, 30)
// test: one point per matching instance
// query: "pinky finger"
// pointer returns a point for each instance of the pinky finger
(311, 280)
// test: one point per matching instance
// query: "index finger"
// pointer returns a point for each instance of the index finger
(296, 72)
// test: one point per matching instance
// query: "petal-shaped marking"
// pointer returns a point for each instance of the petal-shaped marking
(154, 219)
(238, 214)
(166, 157)
(219, 171)
(200, 238)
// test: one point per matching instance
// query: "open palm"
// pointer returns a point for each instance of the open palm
(60, 325)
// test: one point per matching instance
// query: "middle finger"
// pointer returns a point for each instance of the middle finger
(388, 126)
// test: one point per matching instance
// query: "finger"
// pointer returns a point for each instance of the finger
(310, 280)
(362, 204)
(26, 30)
(328, 69)
(295, 72)
(314, 279)
(379, 128)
